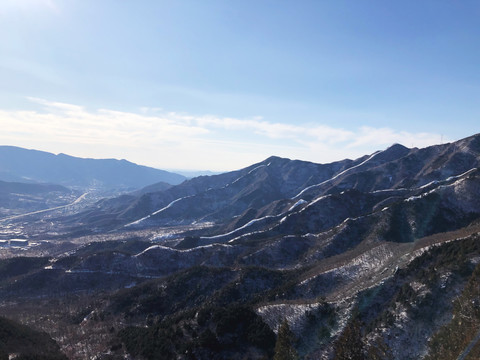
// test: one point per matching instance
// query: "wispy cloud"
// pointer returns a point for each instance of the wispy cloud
(386, 136)
(177, 140)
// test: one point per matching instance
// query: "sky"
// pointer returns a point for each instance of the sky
(219, 85)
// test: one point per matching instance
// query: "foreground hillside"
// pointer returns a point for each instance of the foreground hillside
(22, 343)
(374, 258)
(394, 300)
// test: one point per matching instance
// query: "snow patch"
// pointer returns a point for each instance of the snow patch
(258, 167)
(298, 203)
(294, 314)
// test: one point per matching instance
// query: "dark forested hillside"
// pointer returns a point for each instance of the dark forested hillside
(20, 342)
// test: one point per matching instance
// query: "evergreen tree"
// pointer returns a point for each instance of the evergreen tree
(284, 349)
(349, 344)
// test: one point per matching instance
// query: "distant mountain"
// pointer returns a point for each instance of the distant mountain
(194, 173)
(159, 186)
(272, 187)
(218, 197)
(22, 165)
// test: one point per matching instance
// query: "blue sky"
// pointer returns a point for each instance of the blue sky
(222, 84)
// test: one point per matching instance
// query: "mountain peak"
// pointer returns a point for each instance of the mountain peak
(397, 147)
(393, 152)
(274, 158)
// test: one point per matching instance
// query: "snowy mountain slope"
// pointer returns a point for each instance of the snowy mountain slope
(324, 228)
(269, 187)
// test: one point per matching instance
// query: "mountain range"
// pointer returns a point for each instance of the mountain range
(372, 258)
(277, 187)
(22, 165)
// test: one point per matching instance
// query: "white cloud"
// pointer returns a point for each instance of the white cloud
(174, 140)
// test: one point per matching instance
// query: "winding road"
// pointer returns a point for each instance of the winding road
(80, 198)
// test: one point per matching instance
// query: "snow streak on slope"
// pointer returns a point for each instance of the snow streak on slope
(298, 203)
(139, 221)
(169, 249)
(250, 223)
(257, 221)
(337, 176)
(459, 178)
(243, 176)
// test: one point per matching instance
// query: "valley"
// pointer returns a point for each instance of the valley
(372, 258)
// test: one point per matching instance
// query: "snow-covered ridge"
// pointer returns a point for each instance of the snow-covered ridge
(389, 190)
(337, 175)
(246, 235)
(461, 175)
(444, 184)
(250, 223)
(258, 167)
(172, 250)
(170, 205)
(299, 203)
(258, 220)
(243, 176)
(284, 216)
